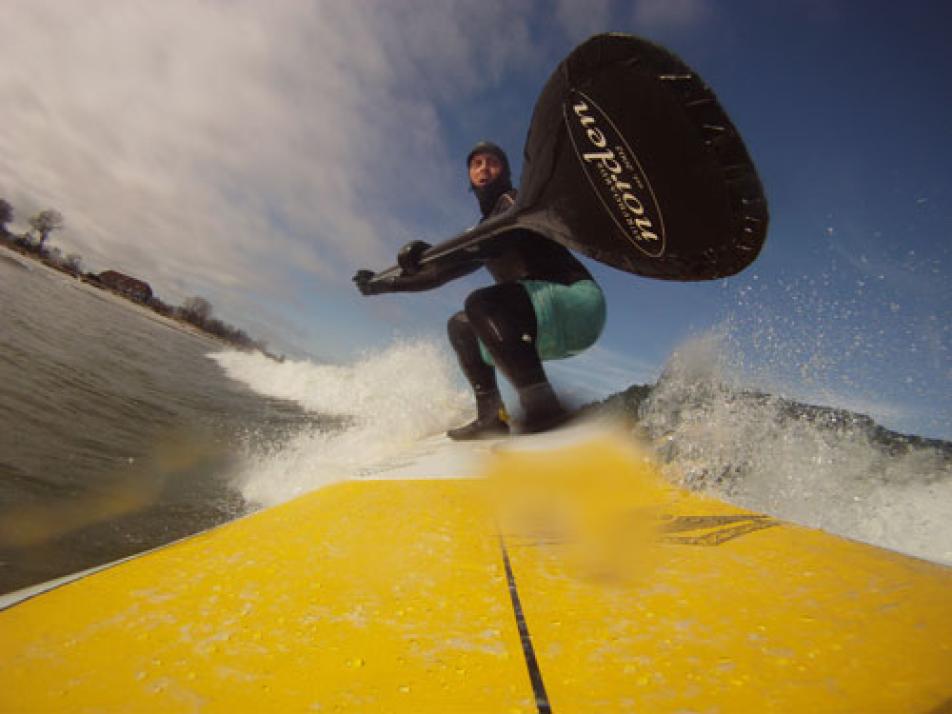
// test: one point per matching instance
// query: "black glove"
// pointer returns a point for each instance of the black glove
(362, 278)
(409, 256)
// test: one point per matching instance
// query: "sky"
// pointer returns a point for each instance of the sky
(258, 154)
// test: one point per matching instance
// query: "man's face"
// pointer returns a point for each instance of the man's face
(484, 169)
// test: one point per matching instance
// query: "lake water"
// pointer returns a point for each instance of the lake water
(117, 432)
(120, 432)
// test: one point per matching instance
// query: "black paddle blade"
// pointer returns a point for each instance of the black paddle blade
(631, 160)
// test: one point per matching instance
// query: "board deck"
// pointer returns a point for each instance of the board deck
(572, 580)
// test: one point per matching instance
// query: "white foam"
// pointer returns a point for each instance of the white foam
(752, 450)
(391, 401)
(747, 449)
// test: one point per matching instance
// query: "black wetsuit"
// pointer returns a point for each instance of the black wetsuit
(515, 255)
(501, 315)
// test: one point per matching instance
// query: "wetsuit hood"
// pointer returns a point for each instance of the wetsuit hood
(489, 194)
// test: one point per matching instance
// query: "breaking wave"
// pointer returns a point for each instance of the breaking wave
(370, 412)
(819, 466)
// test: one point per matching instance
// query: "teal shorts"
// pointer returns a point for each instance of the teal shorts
(569, 317)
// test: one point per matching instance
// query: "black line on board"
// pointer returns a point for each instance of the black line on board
(535, 674)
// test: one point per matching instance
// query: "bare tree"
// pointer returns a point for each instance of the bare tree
(44, 223)
(196, 310)
(74, 263)
(6, 215)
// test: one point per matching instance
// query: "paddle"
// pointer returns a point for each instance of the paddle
(631, 160)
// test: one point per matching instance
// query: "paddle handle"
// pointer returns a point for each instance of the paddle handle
(454, 248)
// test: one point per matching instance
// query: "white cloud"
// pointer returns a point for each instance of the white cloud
(580, 19)
(221, 147)
(655, 15)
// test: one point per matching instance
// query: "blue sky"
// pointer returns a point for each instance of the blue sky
(257, 154)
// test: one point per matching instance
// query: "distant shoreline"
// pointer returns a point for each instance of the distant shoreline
(92, 282)
(13, 261)
(106, 294)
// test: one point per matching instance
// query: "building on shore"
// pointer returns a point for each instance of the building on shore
(126, 285)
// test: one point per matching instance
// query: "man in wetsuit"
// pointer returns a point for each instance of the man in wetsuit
(544, 305)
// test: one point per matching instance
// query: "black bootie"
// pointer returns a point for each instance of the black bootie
(542, 408)
(491, 420)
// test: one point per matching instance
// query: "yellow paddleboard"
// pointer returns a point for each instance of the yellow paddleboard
(573, 580)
